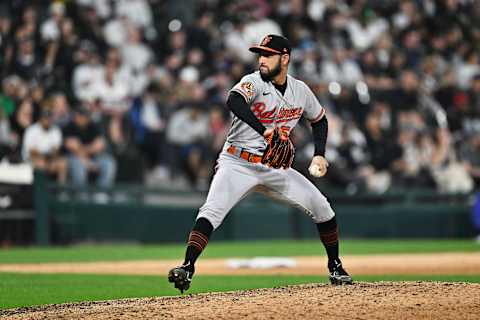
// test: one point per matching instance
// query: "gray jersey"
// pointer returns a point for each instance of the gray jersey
(272, 109)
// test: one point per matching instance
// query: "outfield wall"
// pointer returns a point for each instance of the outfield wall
(136, 214)
(73, 222)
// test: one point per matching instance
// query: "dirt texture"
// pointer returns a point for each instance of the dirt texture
(435, 263)
(381, 300)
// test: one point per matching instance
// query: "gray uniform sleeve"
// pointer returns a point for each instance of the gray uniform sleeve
(313, 112)
(249, 87)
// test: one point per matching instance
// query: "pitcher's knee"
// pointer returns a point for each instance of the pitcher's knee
(214, 216)
(322, 213)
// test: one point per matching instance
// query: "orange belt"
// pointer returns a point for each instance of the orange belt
(250, 157)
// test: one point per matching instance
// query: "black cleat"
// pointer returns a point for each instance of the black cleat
(181, 276)
(338, 275)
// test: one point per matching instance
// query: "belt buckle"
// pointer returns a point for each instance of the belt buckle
(235, 151)
(238, 152)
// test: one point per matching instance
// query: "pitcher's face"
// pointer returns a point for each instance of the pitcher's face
(269, 65)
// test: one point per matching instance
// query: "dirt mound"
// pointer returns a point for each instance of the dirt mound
(380, 300)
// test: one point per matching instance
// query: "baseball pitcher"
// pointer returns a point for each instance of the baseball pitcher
(258, 153)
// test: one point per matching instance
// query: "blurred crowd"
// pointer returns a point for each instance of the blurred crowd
(100, 91)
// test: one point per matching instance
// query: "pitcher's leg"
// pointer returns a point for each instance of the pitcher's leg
(230, 184)
(292, 187)
(300, 192)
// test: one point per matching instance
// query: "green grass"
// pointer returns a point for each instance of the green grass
(17, 290)
(35, 289)
(228, 249)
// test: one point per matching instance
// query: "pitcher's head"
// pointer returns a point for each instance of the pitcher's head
(273, 56)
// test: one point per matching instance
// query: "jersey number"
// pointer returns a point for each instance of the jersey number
(285, 130)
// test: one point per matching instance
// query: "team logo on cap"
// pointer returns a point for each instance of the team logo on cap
(266, 40)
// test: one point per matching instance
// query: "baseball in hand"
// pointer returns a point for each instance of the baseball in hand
(318, 167)
(316, 171)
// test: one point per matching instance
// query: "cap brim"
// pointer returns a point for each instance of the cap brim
(259, 49)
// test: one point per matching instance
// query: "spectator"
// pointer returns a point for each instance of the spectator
(112, 95)
(37, 95)
(408, 15)
(149, 127)
(347, 147)
(7, 144)
(87, 151)
(41, 147)
(383, 151)
(236, 43)
(67, 55)
(176, 50)
(187, 131)
(467, 69)
(470, 155)
(7, 96)
(217, 133)
(90, 23)
(20, 121)
(366, 30)
(413, 48)
(27, 62)
(60, 109)
(135, 53)
(88, 73)
(134, 82)
(200, 34)
(103, 8)
(6, 40)
(137, 11)
(404, 98)
(258, 24)
(471, 111)
(50, 29)
(28, 28)
(115, 31)
(449, 174)
(341, 69)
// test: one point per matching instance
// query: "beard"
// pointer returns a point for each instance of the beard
(268, 76)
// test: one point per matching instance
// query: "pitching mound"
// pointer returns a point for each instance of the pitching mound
(381, 300)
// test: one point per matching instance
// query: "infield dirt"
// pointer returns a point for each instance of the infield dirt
(381, 300)
(425, 263)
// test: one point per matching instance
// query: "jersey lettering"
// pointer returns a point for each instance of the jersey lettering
(284, 114)
(289, 114)
(258, 110)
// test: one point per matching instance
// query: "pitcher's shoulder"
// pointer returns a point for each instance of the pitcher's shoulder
(255, 79)
(254, 76)
(298, 84)
(296, 81)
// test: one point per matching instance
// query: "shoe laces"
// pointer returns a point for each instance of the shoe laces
(189, 268)
(335, 267)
